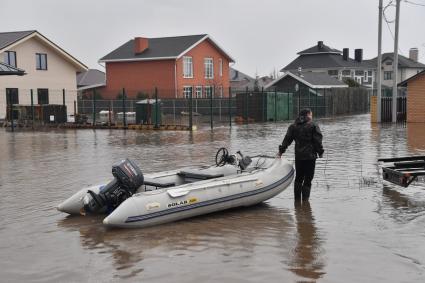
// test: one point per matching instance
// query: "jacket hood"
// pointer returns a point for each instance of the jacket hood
(302, 120)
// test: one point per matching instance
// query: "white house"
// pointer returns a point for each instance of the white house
(49, 70)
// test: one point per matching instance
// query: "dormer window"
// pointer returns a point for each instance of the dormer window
(41, 61)
(10, 58)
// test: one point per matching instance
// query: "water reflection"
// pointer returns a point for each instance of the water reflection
(416, 136)
(402, 207)
(307, 261)
(237, 234)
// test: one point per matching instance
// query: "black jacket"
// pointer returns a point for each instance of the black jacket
(308, 139)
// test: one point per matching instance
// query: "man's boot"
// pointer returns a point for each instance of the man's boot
(306, 192)
(297, 191)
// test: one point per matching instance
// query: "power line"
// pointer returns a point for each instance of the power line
(390, 4)
(414, 3)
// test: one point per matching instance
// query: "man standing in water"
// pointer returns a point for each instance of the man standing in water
(308, 145)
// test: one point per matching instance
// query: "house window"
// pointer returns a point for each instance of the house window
(388, 75)
(187, 91)
(359, 73)
(43, 96)
(12, 96)
(199, 92)
(208, 91)
(187, 67)
(10, 58)
(333, 72)
(209, 68)
(365, 77)
(389, 63)
(346, 73)
(220, 70)
(220, 91)
(41, 61)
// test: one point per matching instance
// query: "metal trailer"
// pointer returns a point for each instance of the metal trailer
(404, 170)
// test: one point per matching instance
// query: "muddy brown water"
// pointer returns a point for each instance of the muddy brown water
(356, 227)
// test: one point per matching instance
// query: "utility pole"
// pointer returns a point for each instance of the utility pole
(379, 66)
(395, 63)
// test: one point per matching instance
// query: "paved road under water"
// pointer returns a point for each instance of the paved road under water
(356, 228)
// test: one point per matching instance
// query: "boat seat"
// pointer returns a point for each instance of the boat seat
(199, 174)
(158, 183)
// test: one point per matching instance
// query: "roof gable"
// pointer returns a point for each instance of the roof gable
(325, 61)
(319, 49)
(10, 39)
(418, 75)
(311, 79)
(403, 62)
(159, 49)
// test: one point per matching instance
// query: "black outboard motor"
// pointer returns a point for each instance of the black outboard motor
(244, 161)
(128, 178)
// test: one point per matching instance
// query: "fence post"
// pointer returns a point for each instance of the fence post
(299, 100)
(246, 105)
(156, 108)
(109, 114)
(63, 96)
(230, 106)
(275, 105)
(94, 107)
(124, 120)
(289, 108)
(10, 110)
(211, 109)
(263, 106)
(190, 109)
(32, 108)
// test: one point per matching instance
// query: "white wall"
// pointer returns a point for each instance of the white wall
(60, 74)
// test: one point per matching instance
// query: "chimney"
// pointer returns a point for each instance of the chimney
(320, 44)
(358, 55)
(345, 53)
(414, 54)
(140, 44)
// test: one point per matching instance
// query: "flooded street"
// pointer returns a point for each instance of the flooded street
(357, 228)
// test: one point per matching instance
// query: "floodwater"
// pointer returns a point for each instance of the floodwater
(356, 227)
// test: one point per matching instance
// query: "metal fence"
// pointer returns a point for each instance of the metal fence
(217, 107)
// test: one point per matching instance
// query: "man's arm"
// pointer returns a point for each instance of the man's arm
(289, 138)
(317, 140)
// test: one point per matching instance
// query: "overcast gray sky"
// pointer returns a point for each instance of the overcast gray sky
(259, 35)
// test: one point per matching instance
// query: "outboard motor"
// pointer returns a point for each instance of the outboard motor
(244, 161)
(128, 178)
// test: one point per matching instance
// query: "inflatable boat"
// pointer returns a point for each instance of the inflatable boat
(134, 200)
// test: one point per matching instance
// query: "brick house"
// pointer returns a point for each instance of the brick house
(176, 66)
(415, 97)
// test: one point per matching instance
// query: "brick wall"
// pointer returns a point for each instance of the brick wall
(416, 100)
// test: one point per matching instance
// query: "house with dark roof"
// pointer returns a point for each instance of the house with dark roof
(407, 67)
(241, 81)
(305, 82)
(49, 69)
(338, 64)
(177, 66)
(91, 78)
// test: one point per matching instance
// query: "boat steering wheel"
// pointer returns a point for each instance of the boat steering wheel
(221, 157)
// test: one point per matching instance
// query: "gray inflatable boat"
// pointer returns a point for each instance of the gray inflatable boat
(134, 200)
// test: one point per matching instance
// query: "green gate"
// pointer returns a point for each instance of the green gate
(279, 106)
